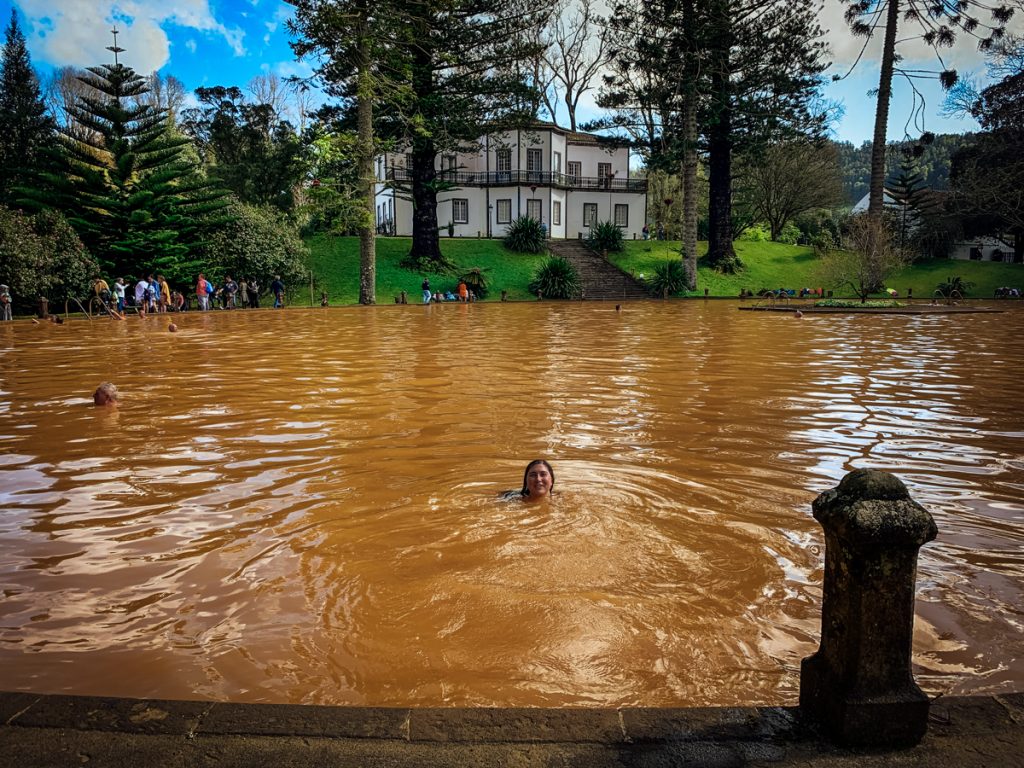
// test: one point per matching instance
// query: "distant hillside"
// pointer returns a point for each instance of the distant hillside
(855, 162)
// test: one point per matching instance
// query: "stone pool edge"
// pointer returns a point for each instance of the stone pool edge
(46, 729)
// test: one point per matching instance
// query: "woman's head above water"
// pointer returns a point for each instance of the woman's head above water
(538, 480)
(105, 394)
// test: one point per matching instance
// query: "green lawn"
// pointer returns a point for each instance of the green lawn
(776, 265)
(335, 265)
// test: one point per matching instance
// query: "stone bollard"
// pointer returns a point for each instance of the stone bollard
(504, 295)
(405, 297)
(43, 309)
(859, 685)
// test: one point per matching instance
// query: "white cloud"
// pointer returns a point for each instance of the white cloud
(293, 68)
(192, 45)
(77, 32)
(282, 13)
(190, 101)
(963, 56)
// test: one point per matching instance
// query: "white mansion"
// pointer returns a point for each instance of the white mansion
(566, 180)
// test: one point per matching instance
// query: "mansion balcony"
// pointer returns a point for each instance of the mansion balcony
(525, 178)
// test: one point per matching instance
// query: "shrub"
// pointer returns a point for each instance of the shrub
(872, 256)
(850, 304)
(556, 279)
(823, 242)
(476, 281)
(526, 235)
(755, 233)
(667, 276)
(258, 242)
(41, 255)
(790, 234)
(605, 237)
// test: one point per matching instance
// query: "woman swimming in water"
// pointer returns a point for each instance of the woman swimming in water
(538, 482)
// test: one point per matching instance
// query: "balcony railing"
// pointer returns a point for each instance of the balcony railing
(526, 178)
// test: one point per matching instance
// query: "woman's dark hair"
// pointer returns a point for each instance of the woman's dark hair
(526, 474)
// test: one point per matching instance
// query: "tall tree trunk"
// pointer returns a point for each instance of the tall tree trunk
(721, 254)
(426, 245)
(689, 174)
(689, 167)
(571, 111)
(876, 190)
(367, 235)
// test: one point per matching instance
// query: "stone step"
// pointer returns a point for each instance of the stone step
(600, 279)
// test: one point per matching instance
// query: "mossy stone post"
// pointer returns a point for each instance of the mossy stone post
(859, 685)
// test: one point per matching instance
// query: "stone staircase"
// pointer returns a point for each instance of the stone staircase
(601, 280)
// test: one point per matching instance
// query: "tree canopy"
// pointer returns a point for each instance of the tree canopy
(127, 183)
(937, 23)
(25, 126)
(745, 71)
(248, 146)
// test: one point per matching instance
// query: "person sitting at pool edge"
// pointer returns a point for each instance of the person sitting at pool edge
(538, 482)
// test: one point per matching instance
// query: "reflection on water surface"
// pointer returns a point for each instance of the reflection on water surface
(300, 506)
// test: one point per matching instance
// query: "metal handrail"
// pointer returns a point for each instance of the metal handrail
(84, 310)
(953, 296)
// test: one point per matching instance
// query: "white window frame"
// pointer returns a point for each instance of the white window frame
(556, 213)
(538, 204)
(534, 160)
(574, 170)
(591, 220)
(457, 203)
(556, 162)
(506, 217)
(503, 157)
(624, 208)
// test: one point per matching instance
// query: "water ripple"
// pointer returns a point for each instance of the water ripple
(302, 506)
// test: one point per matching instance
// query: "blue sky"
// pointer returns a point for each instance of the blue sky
(228, 42)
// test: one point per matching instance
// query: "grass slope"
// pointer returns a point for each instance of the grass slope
(335, 265)
(776, 265)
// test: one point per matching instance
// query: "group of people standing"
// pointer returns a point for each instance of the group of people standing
(153, 294)
(150, 294)
(232, 294)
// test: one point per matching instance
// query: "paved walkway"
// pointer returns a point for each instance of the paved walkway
(42, 731)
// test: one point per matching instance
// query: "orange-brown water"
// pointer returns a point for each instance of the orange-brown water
(300, 506)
